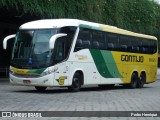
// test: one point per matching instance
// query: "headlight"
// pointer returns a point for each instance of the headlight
(45, 73)
(11, 71)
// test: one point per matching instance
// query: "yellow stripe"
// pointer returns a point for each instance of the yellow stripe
(19, 71)
(113, 29)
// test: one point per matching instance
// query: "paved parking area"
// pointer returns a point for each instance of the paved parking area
(92, 98)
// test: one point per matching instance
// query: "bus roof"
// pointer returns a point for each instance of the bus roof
(57, 23)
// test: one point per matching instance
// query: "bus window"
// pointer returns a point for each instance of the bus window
(83, 40)
(112, 42)
(98, 39)
(153, 46)
(79, 44)
(145, 46)
(135, 44)
(124, 43)
(86, 44)
(60, 49)
(70, 31)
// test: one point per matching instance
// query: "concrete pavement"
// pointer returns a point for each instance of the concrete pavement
(21, 98)
(92, 98)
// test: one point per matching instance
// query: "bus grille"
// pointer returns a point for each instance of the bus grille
(27, 75)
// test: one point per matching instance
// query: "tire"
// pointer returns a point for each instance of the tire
(40, 88)
(134, 80)
(141, 80)
(76, 83)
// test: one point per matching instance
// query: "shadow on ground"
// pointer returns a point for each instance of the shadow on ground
(83, 89)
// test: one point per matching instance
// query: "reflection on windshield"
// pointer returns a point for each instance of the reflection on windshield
(32, 47)
(42, 41)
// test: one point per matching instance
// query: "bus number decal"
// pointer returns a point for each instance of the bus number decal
(152, 60)
(61, 80)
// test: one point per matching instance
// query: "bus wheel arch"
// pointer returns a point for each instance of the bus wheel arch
(82, 76)
(77, 81)
(141, 80)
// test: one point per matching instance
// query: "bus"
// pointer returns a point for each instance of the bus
(71, 53)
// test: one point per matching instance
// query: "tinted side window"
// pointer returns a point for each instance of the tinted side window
(124, 43)
(153, 46)
(112, 42)
(83, 40)
(98, 39)
(148, 46)
(70, 31)
(135, 45)
(145, 46)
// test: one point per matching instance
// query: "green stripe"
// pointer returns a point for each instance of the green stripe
(105, 63)
(110, 63)
(36, 71)
(90, 27)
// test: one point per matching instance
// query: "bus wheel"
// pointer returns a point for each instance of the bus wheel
(76, 83)
(141, 80)
(40, 88)
(134, 80)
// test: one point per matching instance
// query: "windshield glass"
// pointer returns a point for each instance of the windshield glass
(31, 48)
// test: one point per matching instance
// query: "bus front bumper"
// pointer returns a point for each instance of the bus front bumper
(46, 80)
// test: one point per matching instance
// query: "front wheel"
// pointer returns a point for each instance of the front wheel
(40, 88)
(76, 83)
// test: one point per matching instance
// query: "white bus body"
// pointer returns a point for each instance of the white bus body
(74, 69)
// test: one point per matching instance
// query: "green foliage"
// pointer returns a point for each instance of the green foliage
(136, 15)
(141, 16)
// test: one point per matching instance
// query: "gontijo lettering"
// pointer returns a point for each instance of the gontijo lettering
(132, 58)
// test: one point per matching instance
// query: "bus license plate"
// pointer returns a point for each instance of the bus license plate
(26, 81)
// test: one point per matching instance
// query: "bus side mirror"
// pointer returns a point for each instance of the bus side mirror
(53, 39)
(6, 39)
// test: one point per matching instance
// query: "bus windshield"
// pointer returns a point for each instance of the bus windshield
(31, 48)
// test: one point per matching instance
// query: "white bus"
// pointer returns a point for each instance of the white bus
(72, 53)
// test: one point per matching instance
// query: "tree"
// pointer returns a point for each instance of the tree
(141, 16)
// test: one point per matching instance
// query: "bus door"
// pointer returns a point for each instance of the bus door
(61, 72)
